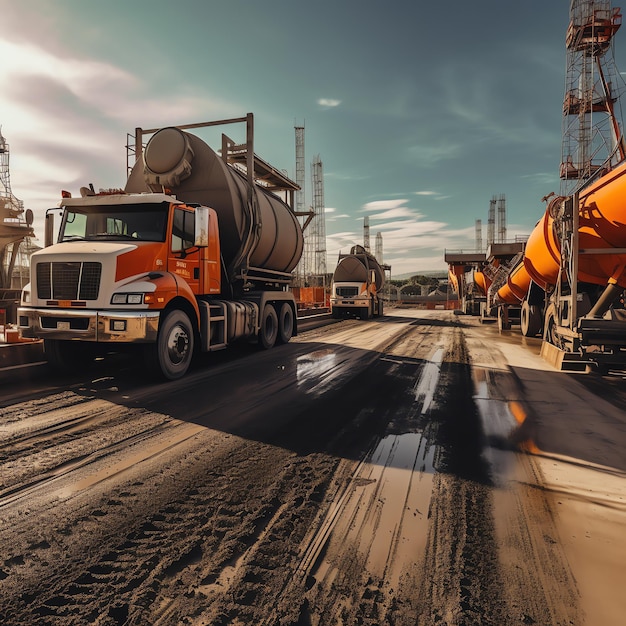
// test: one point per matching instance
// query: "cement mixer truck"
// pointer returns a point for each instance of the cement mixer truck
(571, 278)
(357, 285)
(194, 254)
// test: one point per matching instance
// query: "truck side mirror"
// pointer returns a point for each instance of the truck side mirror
(49, 228)
(201, 227)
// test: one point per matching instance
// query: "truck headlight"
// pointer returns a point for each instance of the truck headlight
(127, 298)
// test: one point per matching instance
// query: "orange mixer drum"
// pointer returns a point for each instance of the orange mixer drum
(454, 274)
(598, 268)
(603, 207)
(482, 282)
(542, 257)
(516, 287)
(599, 228)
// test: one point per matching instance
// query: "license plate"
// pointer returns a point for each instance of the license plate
(63, 325)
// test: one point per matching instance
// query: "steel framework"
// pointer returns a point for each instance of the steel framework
(14, 230)
(592, 140)
(318, 224)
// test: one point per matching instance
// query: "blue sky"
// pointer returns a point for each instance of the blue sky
(421, 112)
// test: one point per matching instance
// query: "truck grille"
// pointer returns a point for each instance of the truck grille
(68, 281)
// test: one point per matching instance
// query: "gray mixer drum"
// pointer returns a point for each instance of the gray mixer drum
(194, 173)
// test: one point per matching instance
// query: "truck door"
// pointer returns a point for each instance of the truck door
(184, 258)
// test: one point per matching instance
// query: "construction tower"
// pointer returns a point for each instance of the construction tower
(303, 266)
(592, 141)
(317, 236)
(491, 222)
(366, 233)
(15, 233)
(502, 218)
(479, 236)
(379, 248)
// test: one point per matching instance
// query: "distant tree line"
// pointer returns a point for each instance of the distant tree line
(412, 285)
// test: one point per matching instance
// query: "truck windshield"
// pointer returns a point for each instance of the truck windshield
(347, 292)
(117, 222)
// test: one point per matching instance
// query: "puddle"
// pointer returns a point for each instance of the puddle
(315, 366)
(500, 418)
(382, 518)
(426, 384)
(407, 452)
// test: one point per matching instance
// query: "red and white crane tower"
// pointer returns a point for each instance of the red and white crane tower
(592, 140)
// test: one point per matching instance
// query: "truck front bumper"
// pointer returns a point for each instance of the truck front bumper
(84, 325)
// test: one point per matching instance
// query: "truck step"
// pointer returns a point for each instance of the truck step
(217, 346)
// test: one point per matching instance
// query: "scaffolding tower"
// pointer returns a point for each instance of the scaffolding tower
(366, 233)
(501, 219)
(491, 222)
(592, 141)
(15, 230)
(302, 268)
(379, 248)
(318, 224)
(479, 236)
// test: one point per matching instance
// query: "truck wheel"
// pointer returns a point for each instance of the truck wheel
(174, 345)
(285, 323)
(66, 356)
(550, 326)
(530, 319)
(269, 327)
(503, 319)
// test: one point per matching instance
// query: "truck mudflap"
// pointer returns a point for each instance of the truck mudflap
(86, 325)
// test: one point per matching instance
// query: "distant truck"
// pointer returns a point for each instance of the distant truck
(195, 253)
(357, 285)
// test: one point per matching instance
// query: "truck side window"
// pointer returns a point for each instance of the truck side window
(183, 235)
(75, 225)
(116, 226)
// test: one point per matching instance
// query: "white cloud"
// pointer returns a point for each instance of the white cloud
(66, 119)
(328, 102)
(390, 214)
(378, 205)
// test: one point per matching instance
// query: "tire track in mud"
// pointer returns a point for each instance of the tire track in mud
(538, 578)
(220, 525)
(66, 434)
(222, 529)
(361, 562)
(492, 557)
(463, 583)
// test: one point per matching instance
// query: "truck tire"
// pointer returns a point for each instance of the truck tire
(174, 345)
(530, 319)
(503, 319)
(549, 326)
(268, 331)
(66, 356)
(285, 323)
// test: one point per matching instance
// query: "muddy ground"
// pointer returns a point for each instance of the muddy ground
(379, 472)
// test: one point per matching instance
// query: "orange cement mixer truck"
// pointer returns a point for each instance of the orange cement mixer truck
(195, 253)
(571, 278)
